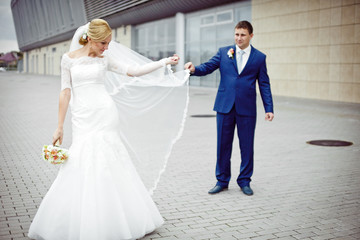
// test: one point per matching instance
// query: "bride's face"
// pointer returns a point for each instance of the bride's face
(100, 47)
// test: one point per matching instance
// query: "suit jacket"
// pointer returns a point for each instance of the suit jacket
(239, 89)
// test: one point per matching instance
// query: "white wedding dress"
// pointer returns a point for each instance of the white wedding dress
(98, 193)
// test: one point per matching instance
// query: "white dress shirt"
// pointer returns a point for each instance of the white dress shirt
(245, 56)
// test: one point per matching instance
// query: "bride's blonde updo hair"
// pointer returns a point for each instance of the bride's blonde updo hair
(98, 30)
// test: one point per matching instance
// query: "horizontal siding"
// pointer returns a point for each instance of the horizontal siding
(45, 21)
(42, 22)
(100, 8)
(158, 9)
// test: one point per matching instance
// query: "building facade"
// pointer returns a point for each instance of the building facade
(312, 46)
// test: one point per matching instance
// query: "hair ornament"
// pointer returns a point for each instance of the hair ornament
(84, 36)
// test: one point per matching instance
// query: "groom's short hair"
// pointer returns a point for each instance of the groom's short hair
(245, 25)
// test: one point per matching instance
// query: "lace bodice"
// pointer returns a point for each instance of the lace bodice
(84, 70)
(146, 100)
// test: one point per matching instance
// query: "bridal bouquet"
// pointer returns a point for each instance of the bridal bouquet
(54, 154)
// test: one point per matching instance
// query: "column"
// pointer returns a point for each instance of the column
(180, 39)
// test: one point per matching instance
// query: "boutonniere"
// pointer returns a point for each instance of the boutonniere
(230, 53)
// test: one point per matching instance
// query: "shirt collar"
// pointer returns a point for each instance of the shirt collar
(246, 50)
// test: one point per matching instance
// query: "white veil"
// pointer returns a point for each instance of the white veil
(152, 109)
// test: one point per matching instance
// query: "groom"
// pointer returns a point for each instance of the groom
(241, 65)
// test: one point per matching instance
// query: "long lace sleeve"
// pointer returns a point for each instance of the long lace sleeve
(116, 66)
(134, 70)
(144, 69)
(65, 73)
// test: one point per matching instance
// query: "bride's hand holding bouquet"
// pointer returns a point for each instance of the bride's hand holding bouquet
(53, 153)
(58, 136)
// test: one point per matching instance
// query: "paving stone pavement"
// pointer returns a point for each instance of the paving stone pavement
(301, 191)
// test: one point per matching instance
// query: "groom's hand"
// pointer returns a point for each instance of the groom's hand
(269, 116)
(189, 66)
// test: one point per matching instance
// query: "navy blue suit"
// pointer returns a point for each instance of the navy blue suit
(235, 104)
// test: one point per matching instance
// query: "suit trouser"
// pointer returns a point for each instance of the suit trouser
(225, 135)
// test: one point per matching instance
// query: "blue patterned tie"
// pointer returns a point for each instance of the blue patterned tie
(239, 60)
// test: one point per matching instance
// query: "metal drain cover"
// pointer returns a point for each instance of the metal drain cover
(330, 143)
(203, 115)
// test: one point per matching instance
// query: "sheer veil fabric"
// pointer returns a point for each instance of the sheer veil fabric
(152, 109)
(123, 130)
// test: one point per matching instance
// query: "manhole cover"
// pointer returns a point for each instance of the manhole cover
(330, 143)
(203, 115)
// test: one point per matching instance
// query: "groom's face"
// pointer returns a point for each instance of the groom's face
(242, 37)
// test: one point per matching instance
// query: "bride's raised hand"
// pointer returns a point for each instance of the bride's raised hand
(58, 136)
(172, 60)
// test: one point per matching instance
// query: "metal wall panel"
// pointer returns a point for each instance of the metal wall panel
(44, 22)
(158, 9)
(100, 8)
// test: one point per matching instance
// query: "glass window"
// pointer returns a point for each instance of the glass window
(193, 53)
(224, 17)
(207, 20)
(192, 27)
(208, 30)
(207, 50)
(155, 40)
(208, 34)
(243, 13)
(225, 31)
(225, 42)
(170, 32)
(160, 33)
(153, 53)
(209, 80)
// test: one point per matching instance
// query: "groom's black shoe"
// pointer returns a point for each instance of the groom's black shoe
(247, 190)
(217, 189)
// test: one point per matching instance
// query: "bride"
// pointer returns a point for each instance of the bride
(124, 124)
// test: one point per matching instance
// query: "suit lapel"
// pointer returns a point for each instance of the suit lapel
(251, 58)
(234, 58)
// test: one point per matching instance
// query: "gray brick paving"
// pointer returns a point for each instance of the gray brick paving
(301, 191)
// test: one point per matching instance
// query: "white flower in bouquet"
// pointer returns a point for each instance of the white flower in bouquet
(54, 154)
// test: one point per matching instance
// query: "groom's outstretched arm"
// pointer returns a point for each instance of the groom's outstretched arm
(204, 68)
